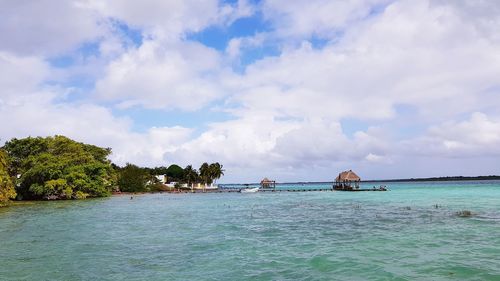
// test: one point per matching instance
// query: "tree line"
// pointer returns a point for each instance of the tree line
(57, 167)
(133, 178)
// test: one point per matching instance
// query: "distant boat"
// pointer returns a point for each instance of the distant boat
(249, 190)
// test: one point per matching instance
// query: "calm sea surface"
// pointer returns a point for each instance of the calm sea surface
(408, 233)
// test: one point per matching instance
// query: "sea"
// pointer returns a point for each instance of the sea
(414, 231)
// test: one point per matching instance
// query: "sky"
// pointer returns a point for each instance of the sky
(290, 90)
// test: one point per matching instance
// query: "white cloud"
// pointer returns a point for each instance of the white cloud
(46, 27)
(52, 28)
(170, 20)
(483, 15)
(245, 142)
(478, 136)
(164, 18)
(182, 75)
(322, 18)
(413, 53)
(20, 75)
(168, 71)
(229, 13)
(374, 158)
(320, 141)
(237, 45)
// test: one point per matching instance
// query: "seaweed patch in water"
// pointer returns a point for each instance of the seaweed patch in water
(464, 214)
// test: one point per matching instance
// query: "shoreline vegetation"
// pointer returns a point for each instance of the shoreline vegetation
(59, 168)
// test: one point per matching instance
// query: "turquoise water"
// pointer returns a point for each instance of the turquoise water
(395, 235)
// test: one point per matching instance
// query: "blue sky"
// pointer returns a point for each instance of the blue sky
(294, 91)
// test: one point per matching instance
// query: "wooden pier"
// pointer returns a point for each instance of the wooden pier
(234, 190)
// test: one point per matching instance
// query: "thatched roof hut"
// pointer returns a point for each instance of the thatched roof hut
(347, 180)
(347, 176)
(267, 183)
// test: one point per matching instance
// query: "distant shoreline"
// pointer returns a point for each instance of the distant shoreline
(452, 178)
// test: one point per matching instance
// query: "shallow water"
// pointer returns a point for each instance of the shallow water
(409, 233)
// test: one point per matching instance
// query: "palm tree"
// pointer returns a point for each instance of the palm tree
(190, 174)
(216, 171)
(205, 173)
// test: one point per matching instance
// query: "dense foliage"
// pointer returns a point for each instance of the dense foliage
(59, 168)
(133, 178)
(207, 173)
(7, 190)
(210, 173)
(175, 172)
(190, 175)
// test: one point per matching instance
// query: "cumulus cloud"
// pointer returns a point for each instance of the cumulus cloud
(167, 71)
(162, 18)
(325, 142)
(182, 75)
(172, 19)
(20, 75)
(245, 142)
(39, 27)
(236, 46)
(321, 18)
(478, 136)
(410, 54)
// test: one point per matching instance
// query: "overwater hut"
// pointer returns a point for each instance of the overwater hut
(267, 183)
(347, 180)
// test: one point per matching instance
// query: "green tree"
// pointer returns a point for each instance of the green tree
(59, 168)
(216, 171)
(205, 174)
(190, 175)
(175, 172)
(210, 173)
(133, 178)
(159, 171)
(7, 190)
(20, 149)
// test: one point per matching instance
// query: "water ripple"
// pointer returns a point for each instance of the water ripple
(406, 234)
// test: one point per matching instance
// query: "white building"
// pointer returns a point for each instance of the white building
(162, 178)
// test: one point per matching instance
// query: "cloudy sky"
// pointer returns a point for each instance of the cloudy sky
(291, 90)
